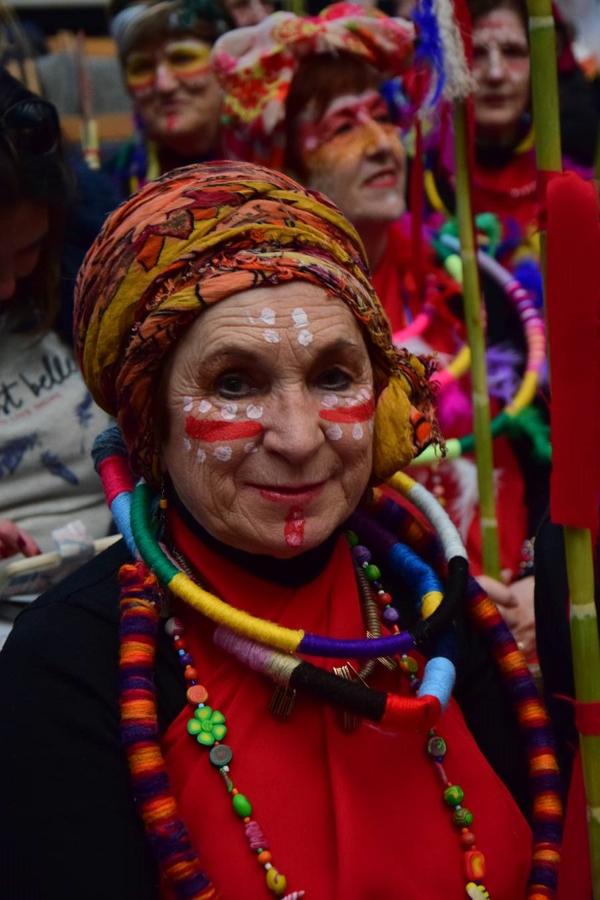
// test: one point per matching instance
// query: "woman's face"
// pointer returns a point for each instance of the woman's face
(176, 94)
(23, 229)
(353, 154)
(501, 70)
(270, 417)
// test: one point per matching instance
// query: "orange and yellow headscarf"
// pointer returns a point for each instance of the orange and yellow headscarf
(196, 236)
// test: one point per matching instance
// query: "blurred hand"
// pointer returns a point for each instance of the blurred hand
(15, 540)
(515, 604)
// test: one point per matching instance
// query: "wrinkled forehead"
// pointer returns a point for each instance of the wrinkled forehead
(499, 26)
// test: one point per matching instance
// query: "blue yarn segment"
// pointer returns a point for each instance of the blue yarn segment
(108, 443)
(120, 509)
(527, 272)
(429, 44)
(418, 575)
(438, 680)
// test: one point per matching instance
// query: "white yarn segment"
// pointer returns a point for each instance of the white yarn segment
(439, 519)
(459, 81)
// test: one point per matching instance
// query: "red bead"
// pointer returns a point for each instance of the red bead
(179, 645)
(190, 673)
(264, 857)
(474, 865)
(467, 839)
(384, 599)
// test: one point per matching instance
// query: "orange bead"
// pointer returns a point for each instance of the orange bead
(197, 693)
(474, 865)
(190, 673)
(264, 857)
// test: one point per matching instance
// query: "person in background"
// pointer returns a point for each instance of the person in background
(305, 96)
(164, 48)
(48, 420)
(242, 13)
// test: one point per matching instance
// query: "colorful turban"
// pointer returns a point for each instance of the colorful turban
(197, 236)
(256, 65)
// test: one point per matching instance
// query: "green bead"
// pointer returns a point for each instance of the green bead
(454, 795)
(242, 806)
(462, 817)
(205, 738)
(372, 572)
(194, 727)
(436, 746)
(203, 713)
(219, 732)
(352, 538)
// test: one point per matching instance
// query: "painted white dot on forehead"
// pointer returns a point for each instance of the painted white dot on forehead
(187, 404)
(223, 453)
(267, 317)
(299, 317)
(334, 432)
(204, 406)
(305, 337)
(271, 337)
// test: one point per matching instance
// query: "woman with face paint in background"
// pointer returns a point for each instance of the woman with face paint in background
(305, 96)
(504, 175)
(164, 47)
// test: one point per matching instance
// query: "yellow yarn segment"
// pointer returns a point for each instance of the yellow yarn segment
(461, 362)
(402, 483)
(237, 620)
(524, 395)
(431, 601)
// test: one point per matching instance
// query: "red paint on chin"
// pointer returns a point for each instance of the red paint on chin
(294, 527)
(209, 430)
(361, 413)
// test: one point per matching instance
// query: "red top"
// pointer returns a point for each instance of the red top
(352, 815)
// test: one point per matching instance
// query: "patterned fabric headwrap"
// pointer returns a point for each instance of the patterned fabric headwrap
(256, 65)
(197, 236)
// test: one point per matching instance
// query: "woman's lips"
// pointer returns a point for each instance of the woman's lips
(385, 179)
(298, 494)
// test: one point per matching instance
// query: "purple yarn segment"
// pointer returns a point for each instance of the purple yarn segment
(367, 648)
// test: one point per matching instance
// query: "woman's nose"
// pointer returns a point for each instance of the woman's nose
(164, 80)
(294, 431)
(379, 139)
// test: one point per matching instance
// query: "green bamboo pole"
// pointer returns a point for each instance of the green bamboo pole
(578, 544)
(473, 318)
(586, 666)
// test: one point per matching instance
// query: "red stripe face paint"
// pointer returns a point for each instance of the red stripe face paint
(211, 431)
(294, 527)
(350, 414)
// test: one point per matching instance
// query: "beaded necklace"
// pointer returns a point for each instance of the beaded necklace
(207, 726)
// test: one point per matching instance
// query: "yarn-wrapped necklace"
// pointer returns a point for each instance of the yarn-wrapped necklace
(141, 599)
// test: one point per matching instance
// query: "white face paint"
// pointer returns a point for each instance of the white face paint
(334, 432)
(330, 401)
(357, 431)
(267, 317)
(200, 455)
(187, 444)
(229, 412)
(271, 337)
(204, 406)
(187, 404)
(305, 337)
(254, 412)
(223, 453)
(250, 447)
(299, 318)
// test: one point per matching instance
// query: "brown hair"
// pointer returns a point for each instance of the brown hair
(42, 179)
(478, 8)
(319, 80)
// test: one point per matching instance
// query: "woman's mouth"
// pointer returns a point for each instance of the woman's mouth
(300, 494)
(386, 178)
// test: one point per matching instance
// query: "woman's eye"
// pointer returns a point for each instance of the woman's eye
(334, 379)
(234, 385)
(342, 128)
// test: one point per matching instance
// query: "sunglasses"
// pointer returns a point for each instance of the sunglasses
(31, 127)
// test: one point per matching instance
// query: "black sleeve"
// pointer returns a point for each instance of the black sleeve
(68, 828)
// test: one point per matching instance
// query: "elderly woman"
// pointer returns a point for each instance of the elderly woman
(225, 317)
(164, 48)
